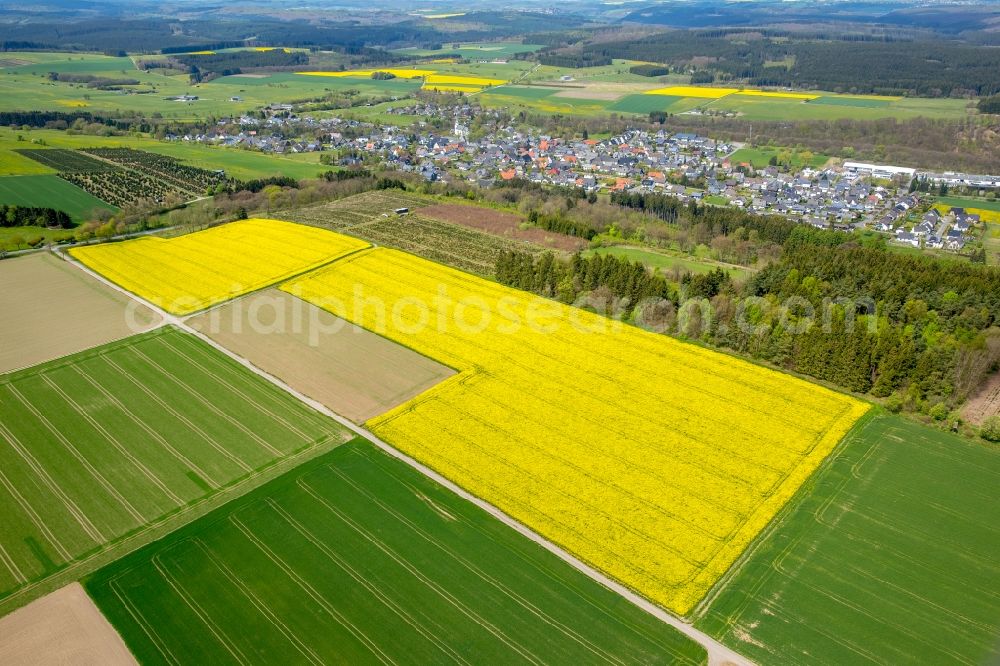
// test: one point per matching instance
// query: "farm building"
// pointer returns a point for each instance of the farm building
(878, 170)
(962, 179)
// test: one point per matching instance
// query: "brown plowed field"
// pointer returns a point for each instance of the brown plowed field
(64, 627)
(985, 403)
(354, 372)
(500, 223)
(51, 308)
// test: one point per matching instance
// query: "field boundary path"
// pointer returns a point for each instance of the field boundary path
(718, 654)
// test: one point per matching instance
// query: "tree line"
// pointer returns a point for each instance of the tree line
(918, 331)
(627, 281)
(31, 216)
(717, 220)
(561, 225)
(48, 118)
(989, 104)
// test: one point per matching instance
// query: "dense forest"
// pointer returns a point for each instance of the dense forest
(27, 216)
(575, 59)
(935, 68)
(972, 22)
(629, 281)
(234, 62)
(989, 104)
(115, 34)
(649, 70)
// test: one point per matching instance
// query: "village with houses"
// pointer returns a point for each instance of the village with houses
(847, 196)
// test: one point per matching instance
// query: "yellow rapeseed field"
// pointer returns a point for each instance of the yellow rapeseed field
(693, 91)
(462, 80)
(653, 460)
(716, 93)
(189, 273)
(985, 215)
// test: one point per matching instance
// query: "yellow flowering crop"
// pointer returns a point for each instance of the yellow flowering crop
(653, 460)
(715, 93)
(985, 215)
(693, 91)
(463, 80)
(192, 272)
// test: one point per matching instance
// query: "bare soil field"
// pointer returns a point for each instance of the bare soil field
(587, 93)
(500, 223)
(354, 372)
(64, 627)
(587, 89)
(985, 403)
(51, 309)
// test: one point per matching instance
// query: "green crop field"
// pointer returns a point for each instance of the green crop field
(852, 101)
(769, 108)
(616, 79)
(760, 157)
(644, 103)
(616, 72)
(19, 238)
(667, 262)
(28, 87)
(888, 555)
(103, 447)
(49, 192)
(354, 557)
(525, 92)
(967, 202)
(82, 63)
(991, 242)
(242, 164)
